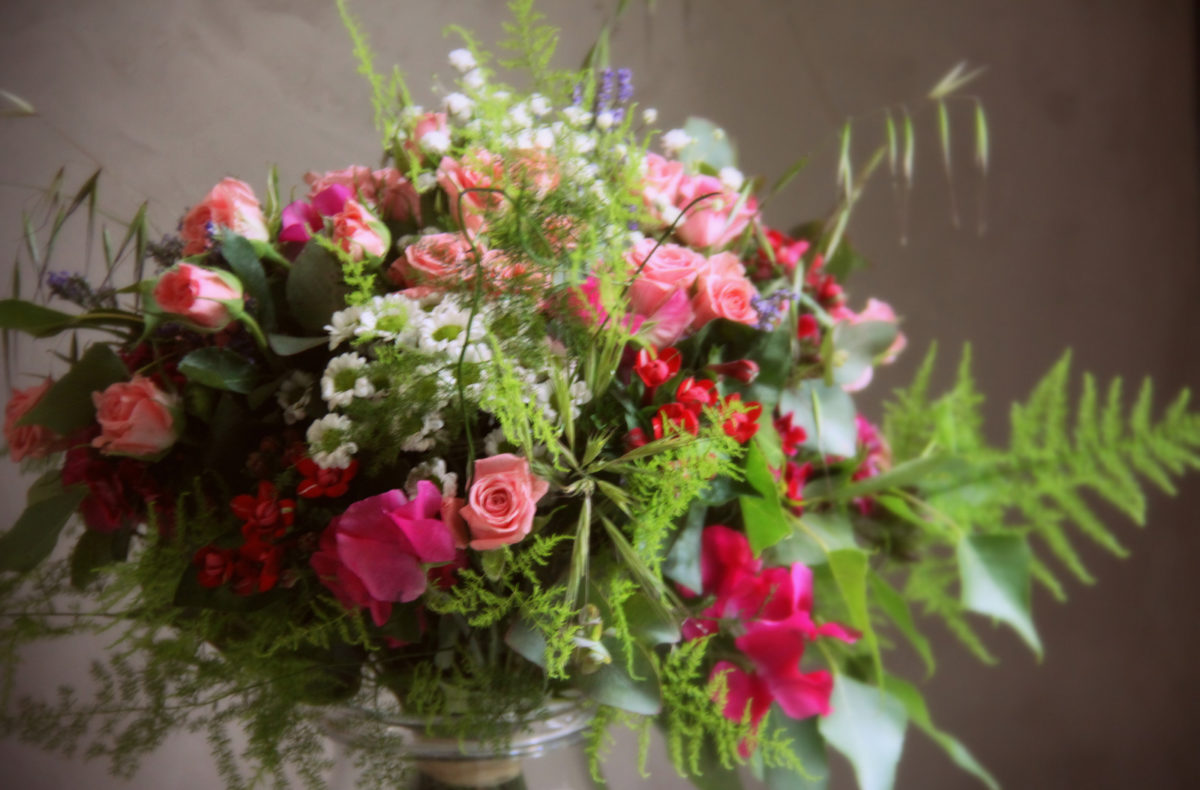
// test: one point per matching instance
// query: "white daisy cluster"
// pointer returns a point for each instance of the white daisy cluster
(329, 441)
(346, 378)
(539, 385)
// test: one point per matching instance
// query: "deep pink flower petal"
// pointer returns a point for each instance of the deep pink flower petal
(332, 199)
(801, 695)
(387, 574)
(743, 688)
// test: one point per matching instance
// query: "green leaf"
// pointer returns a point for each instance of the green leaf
(896, 608)
(816, 535)
(67, 406)
(93, 551)
(239, 253)
(315, 289)
(995, 581)
(910, 472)
(648, 623)
(826, 413)
(527, 641)
(763, 516)
(220, 368)
(33, 319)
(682, 564)
(867, 726)
(36, 530)
(918, 713)
(857, 345)
(849, 569)
(286, 346)
(809, 747)
(612, 685)
(710, 145)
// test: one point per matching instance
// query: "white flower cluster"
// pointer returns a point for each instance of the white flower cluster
(329, 441)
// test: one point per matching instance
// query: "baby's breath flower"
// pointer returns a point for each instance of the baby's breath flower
(731, 177)
(426, 181)
(459, 105)
(435, 142)
(676, 140)
(649, 116)
(539, 105)
(577, 116)
(473, 79)
(604, 119)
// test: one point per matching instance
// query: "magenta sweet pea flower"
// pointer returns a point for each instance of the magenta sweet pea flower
(299, 221)
(374, 554)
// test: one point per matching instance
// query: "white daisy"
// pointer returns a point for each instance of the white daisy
(346, 379)
(343, 325)
(389, 318)
(329, 441)
(462, 60)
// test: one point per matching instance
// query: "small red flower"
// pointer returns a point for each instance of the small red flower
(656, 368)
(635, 439)
(742, 425)
(807, 328)
(695, 395)
(267, 517)
(256, 568)
(795, 476)
(790, 436)
(744, 370)
(215, 566)
(320, 482)
(677, 415)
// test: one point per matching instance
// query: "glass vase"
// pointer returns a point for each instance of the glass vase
(542, 752)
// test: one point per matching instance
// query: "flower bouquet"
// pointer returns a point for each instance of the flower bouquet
(533, 414)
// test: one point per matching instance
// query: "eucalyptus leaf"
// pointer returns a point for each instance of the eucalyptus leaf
(611, 684)
(67, 406)
(816, 535)
(682, 564)
(710, 145)
(827, 415)
(221, 369)
(763, 515)
(93, 551)
(286, 346)
(527, 641)
(896, 608)
(867, 726)
(239, 253)
(857, 345)
(849, 569)
(809, 747)
(996, 581)
(33, 319)
(315, 289)
(36, 531)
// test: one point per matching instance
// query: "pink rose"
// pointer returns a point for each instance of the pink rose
(428, 122)
(231, 204)
(660, 182)
(438, 258)
(480, 170)
(534, 170)
(722, 291)
(358, 232)
(712, 222)
(198, 294)
(666, 325)
(373, 554)
(27, 441)
(663, 271)
(502, 501)
(136, 418)
(386, 191)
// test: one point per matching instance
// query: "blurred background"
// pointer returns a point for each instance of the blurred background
(1082, 235)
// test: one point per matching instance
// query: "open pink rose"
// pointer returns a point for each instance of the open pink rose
(502, 501)
(374, 554)
(358, 232)
(660, 273)
(660, 183)
(723, 291)
(479, 171)
(712, 222)
(231, 204)
(385, 191)
(136, 418)
(198, 294)
(27, 441)
(439, 258)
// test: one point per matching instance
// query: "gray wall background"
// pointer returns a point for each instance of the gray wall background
(1091, 243)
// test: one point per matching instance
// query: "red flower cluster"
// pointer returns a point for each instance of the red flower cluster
(320, 482)
(255, 565)
(784, 253)
(692, 396)
(119, 489)
(656, 368)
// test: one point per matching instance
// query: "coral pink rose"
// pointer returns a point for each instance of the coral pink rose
(502, 501)
(374, 554)
(358, 232)
(480, 170)
(386, 191)
(27, 441)
(136, 418)
(198, 294)
(534, 170)
(722, 291)
(231, 204)
(663, 271)
(712, 222)
(438, 258)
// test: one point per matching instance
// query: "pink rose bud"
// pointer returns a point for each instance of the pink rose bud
(198, 294)
(136, 418)
(502, 501)
(27, 441)
(359, 233)
(231, 204)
